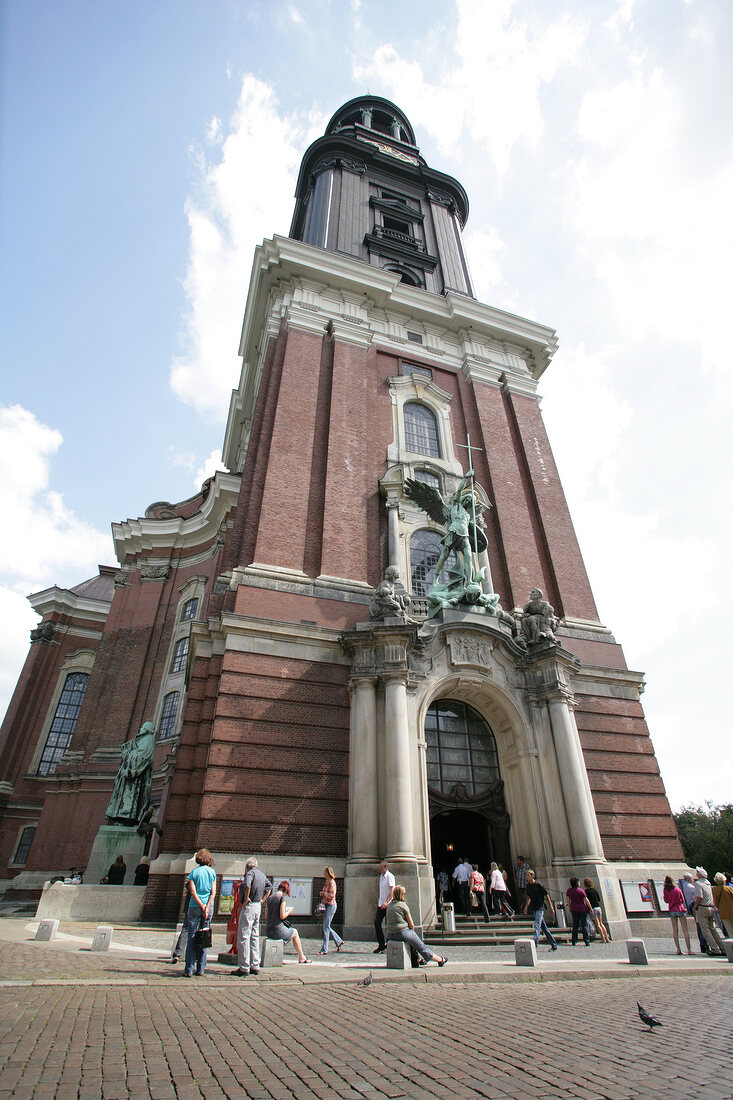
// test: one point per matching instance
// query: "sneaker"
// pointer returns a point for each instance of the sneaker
(239, 973)
(254, 973)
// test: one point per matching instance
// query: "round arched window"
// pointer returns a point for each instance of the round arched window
(460, 748)
(421, 429)
(425, 550)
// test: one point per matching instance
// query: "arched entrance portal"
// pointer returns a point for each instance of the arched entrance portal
(459, 834)
(468, 816)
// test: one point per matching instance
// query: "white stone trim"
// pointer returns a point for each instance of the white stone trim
(308, 287)
(64, 602)
(80, 660)
(136, 536)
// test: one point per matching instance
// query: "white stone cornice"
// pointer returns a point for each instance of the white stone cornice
(64, 602)
(312, 286)
(136, 536)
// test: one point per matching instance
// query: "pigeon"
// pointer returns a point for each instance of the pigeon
(366, 981)
(650, 1021)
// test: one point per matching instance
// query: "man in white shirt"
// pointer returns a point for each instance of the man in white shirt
(705, 912)
(386, 889)
(461, 878)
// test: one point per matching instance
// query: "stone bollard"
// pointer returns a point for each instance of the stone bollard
(637, 952)
(271, 953)
(47, 929)
(728, 945)
(398, 955)
(525, 953)
(102, 938)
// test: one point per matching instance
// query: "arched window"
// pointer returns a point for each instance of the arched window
(24, 846)
(179, 655)
(168, 715)
(425, 550)
(190, 608)
(428, 478)
(64, 722)
(460, 748)
(421, 430)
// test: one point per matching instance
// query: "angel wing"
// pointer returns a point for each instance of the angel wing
(427, 498)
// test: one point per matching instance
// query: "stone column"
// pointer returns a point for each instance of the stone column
(397, 760)
(393, 516)
(363, 808)
(579, 807)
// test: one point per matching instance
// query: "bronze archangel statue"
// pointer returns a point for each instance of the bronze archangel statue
(463, 537)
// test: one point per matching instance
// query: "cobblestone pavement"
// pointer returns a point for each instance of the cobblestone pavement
(239, 1039)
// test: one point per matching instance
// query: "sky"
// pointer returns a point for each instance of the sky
(145, 149)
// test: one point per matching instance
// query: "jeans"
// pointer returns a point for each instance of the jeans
(194, 917)
(481, 899)
(248, 936)
(579, 922)
(328, 932)
(540, 925)
(410, 937)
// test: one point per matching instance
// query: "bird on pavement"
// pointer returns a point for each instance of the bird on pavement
(366, 981)
(650, 1021)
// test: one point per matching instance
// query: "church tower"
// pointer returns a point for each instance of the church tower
(319, 722)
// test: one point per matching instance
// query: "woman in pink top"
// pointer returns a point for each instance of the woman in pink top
(675, 899)
(478, 885)
(328, 901)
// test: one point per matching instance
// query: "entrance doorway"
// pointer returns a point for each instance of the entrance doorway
(459, 834)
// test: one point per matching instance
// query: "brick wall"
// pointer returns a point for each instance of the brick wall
(633, 813)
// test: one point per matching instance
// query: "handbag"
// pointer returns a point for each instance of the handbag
(320, 908)
(202, 936)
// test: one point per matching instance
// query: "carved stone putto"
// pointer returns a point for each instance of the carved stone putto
(390, 600)
(42, 633)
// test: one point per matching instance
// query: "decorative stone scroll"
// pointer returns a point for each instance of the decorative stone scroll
(155, 572)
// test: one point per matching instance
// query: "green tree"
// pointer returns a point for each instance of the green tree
(706, 836)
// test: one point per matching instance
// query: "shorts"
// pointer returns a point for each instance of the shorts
(677, 914)
(281, 933)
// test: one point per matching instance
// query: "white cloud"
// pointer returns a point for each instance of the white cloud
(208, 467)
(47, 537)
(656, 229)
(491, 92)
(243, 197)
(47, 543)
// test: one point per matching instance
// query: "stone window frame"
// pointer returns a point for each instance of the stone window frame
(80, 660)
(194, 588)
(405, 389)
(165, 716)
(14, 862)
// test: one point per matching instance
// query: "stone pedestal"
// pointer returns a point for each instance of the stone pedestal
(102, 938)
(47, 929)
(398, 955)
(637, 952)
(525, 953)
(110, 842)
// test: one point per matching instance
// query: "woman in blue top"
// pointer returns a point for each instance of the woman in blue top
(202, 888)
